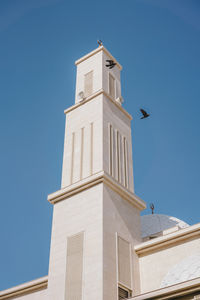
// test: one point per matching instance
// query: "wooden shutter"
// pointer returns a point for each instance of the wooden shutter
(74, 267)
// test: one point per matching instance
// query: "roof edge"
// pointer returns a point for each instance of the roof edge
(172, 291)
(101, 48)
(169, 239)
(25, 288)
(100, 177)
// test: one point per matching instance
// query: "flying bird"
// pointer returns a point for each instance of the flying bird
(111, 63)
(145, 114)
(100, 43)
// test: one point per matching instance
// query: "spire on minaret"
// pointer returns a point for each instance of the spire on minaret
(100, 43)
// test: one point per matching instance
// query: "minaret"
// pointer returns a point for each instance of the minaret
(96, 218)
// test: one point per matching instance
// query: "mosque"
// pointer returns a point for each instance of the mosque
(101, 247)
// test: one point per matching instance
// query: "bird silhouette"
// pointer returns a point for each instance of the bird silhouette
(145, 114)
(152, 208)
(100, 43)
(111, 63)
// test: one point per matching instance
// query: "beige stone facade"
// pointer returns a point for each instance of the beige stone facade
(98, 250)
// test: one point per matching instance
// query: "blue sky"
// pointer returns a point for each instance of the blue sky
(158, 44)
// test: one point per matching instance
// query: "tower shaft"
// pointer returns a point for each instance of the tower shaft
(96, 220)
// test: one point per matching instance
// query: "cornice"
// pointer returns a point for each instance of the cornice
(101, 48)
(169, 239)
(173, 291)
(26, 288)
(100, 92)
(101, 177)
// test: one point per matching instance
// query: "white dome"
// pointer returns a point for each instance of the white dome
(154, 223)
(187, 269)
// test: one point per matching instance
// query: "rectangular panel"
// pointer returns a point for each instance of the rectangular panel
(118, 91)
(74, 267)
(72, 157)
(111, 86)
(110, 146)
(124, 262)
(114, 154)
(121, 160)
(91, 147)
(125, 162)
(118, 155)
(77, 156)
(88, 82)
(86, 151)
(82, 154)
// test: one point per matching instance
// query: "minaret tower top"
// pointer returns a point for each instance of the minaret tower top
(98, 143)
(96, 72)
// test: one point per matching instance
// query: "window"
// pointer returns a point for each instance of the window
(111, 86)
(88, 84)
(123, 294)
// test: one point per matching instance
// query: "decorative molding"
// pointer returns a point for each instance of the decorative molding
(100, 92)
(101, 177)
(167, 240)
(102, 48)
(26, 288)
(172, 291)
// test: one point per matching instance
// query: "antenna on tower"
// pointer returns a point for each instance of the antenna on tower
(152, 208)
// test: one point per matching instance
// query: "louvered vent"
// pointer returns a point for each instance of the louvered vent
(88, 84)
(123, 294)
(124, 262)
(74, 267)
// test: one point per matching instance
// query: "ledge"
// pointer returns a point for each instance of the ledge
(100, 92)
(25, 288)
(93, 180)
(170, 292)
(101, 48)
(169, 239)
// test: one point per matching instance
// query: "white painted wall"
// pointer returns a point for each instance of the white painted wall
(96, 62)
(158, 263)
(122, 218)
(93, 63)
(82, 117)
(81, 212)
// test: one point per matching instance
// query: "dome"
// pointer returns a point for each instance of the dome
(154, 223)
(187, 269)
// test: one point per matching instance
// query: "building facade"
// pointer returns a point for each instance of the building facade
(101, 248)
